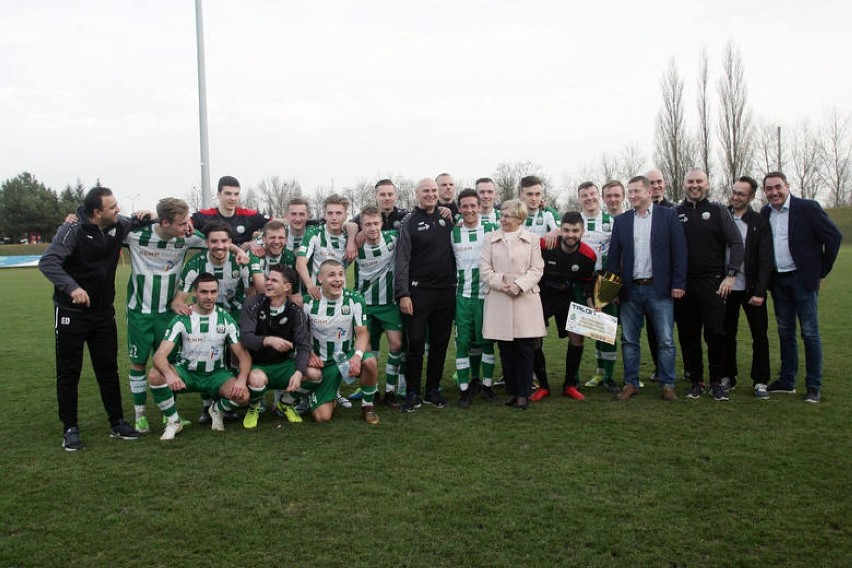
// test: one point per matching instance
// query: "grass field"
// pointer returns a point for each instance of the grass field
(599, 483)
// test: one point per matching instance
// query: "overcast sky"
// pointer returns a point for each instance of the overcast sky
(338, 91)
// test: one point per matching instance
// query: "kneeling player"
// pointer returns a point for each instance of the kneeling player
(202, 335)
(340, 339)
(275, 331)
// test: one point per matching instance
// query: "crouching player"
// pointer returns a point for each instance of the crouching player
(340, 344)
(202, 336)
(275, 332)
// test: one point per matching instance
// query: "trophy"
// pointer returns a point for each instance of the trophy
(607, 286)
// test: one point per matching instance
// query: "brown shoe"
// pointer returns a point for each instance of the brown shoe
(627, 392)
(669, 393)
(368, 413)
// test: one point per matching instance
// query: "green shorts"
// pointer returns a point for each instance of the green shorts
(331, 377)
(144, 334)
(469, 319)
(380, 319)
(278, 374)
(207, 384)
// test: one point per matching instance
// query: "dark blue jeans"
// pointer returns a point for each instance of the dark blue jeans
(792, 300)
(644, 302)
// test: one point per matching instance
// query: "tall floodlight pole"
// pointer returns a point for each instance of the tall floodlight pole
(202, 108)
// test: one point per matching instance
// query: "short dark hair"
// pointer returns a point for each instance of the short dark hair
(371, 210)
(204, 277)
(227, 181)
(641, 179)
(483, 180)
(286, 272)
(467, 192)
(384, 181)
(274, 225)
(572, 218)
(612, 183)
(529, 181)
(95, 199)
(774, 175)
(752, 183)
(585, 185)
(218, 226)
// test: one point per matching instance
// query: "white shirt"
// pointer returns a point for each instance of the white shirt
(779, 220)
(642, 244)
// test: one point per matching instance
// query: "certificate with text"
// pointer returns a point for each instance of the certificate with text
(587, 322)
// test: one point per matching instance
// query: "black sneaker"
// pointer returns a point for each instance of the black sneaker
(435, 399)
(204, 418)
(718, 392)
(412, 402)
(610, 386)
(123, 431)
(812, 396)
(71, 440)
(730, 383)
(465, 398)
(475, 386)
(778, 387)
(696, 391)
(487, 393)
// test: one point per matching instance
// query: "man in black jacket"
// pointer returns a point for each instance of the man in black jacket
(81, 262)
(709, 231)
(749, 289)
(425, 287)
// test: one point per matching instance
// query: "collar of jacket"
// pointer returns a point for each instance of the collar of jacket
(525, 236)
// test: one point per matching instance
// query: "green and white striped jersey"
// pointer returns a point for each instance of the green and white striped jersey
(493, 217)
(374, 270)
(155, 266)
(233, 280)
(542, 221)
(598, 232)
(319, 245)
(467, 246)
(261, 264)
(201, 340)
(294, 241)
(333, 323)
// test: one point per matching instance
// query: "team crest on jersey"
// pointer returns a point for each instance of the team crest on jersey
(705, 215)
(575, 267)
(539, 221)
(262, 316)
(442, 222)
(396, 224)
(241, 229)
(112, 232)
(179, 244)
(220, 328)
(606, 227)
(345, 310)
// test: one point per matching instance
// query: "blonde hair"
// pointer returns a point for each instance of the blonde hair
(515, 207)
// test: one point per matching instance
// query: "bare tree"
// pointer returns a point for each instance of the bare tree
(735, 123)
(805, 159)
(837, 158)
(317, 198)
(193, 198)
(359, 195)
(274, 193)
(768, 149)
(631, 162)
(704, 139)
(673, 149)
(507, 177)
(404, 191)
(251, 200)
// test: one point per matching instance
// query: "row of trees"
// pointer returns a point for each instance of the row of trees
(816, 158)
(28, 209)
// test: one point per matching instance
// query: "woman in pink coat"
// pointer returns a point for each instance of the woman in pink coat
(511, 265)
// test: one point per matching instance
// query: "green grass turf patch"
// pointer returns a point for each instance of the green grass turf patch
(598, 483)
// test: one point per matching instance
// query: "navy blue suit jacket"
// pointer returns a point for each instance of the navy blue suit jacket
(813, 238)
(668, 250)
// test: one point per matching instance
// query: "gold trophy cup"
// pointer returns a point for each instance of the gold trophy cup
(607, 286)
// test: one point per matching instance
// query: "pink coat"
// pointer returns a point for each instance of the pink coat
(507, 317)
